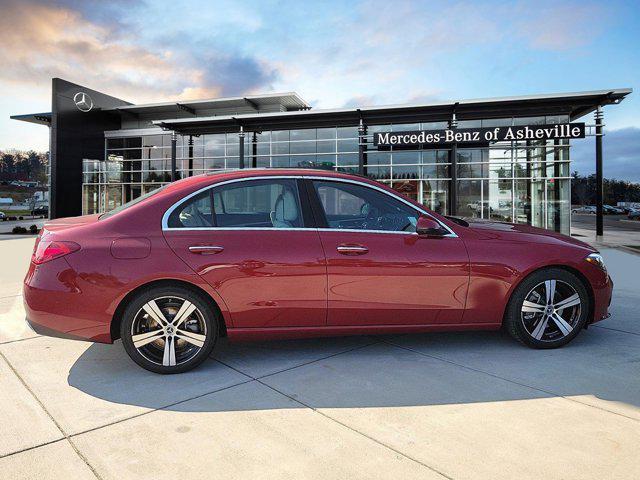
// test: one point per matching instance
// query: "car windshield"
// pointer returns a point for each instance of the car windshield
(133, 202)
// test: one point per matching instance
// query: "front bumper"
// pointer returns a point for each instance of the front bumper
(602, 295)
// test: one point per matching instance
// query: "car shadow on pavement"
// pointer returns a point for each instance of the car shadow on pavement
(387, 371)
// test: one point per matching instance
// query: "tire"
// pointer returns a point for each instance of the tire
(174, 348)
(526, 321)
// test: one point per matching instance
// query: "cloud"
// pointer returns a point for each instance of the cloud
(621, 154)
(41, 41)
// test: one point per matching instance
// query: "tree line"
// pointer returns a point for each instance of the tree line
(23, 165)
(583, 190)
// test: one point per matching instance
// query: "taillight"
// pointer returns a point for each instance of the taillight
(47, 251)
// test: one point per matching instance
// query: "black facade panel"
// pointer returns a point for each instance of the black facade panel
(76, 135)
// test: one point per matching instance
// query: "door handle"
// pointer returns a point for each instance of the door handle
(206, 249)
(352, 249)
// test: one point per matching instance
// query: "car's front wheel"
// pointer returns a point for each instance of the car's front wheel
(169, 329)
(548, 309)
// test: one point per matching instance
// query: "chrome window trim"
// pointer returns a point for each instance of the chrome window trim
(165, 217)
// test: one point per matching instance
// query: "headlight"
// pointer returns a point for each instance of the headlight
(597, 260)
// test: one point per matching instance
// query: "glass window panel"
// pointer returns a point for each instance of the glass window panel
(529, 121)
(558, 205)
(378, 128)
(403, 156)
(435, 195)
(497, 122)
(349, 206)
(263, 148)
(280, 136)
(194, 212)
(348, 159)
(500, 200)
(263, 162)
(326, 133)
(115, 143)
(469, 123)
(347, 132)
(303, 161)
(435, 156)
(557, 119)
(213, 163)
(405, 172)
(133, 142)
(434, 125)
(152, 141)
(280, 161)
(233, 149)
(279, 148)
(435, 171)
(262, 137)
(304, 134)
(326, 146)
(348, 145)
(378, 158)
(327, 162)
(379, 173)
(302, 147)
(469, 198)
(406, 188)
(405, 127)
(264, 203)
(214, 145)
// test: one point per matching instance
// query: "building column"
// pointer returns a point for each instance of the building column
(599, 176)
(254, 150)
(241, 146)
(190, 155)
(362, 148)
(174, 142)
(453, 160)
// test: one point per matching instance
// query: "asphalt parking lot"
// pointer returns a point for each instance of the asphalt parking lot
(456, 406)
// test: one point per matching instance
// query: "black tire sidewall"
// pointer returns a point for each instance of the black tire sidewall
(513, 319)
(210, 318)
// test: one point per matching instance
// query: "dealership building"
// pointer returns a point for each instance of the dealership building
(505, 159)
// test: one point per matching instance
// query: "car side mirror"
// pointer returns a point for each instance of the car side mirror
(428, 227)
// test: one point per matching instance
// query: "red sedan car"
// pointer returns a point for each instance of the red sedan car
(257, 254)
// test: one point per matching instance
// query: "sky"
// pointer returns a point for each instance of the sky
(332, 53)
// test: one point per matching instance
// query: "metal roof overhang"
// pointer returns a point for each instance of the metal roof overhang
(575, 105)
(37, 118)
(288, 101)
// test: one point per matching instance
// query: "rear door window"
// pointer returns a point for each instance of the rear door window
(268, 203)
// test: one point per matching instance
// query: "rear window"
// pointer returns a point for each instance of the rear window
(133, 202)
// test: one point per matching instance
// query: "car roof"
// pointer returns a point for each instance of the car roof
(224, 175)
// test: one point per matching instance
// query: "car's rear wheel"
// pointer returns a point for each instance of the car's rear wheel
(169, 329)
(548, 309)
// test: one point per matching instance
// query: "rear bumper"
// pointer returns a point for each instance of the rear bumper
(55, 304)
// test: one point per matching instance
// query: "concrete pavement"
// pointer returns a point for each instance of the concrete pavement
(457, 406)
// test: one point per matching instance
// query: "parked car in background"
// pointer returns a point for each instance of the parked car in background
(2, 216)
(611, 210)
(584, 209)
(42, 210)
(634, 215)
(259, 254)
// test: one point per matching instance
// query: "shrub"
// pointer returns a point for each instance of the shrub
(19, 230)
(33, 229)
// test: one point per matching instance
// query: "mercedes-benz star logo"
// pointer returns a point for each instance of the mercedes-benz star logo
(83, 101)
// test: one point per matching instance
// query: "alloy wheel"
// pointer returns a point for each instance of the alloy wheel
(169, 331)
(551, 310)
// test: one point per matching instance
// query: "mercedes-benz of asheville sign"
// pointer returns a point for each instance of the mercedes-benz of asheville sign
(479, 135)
